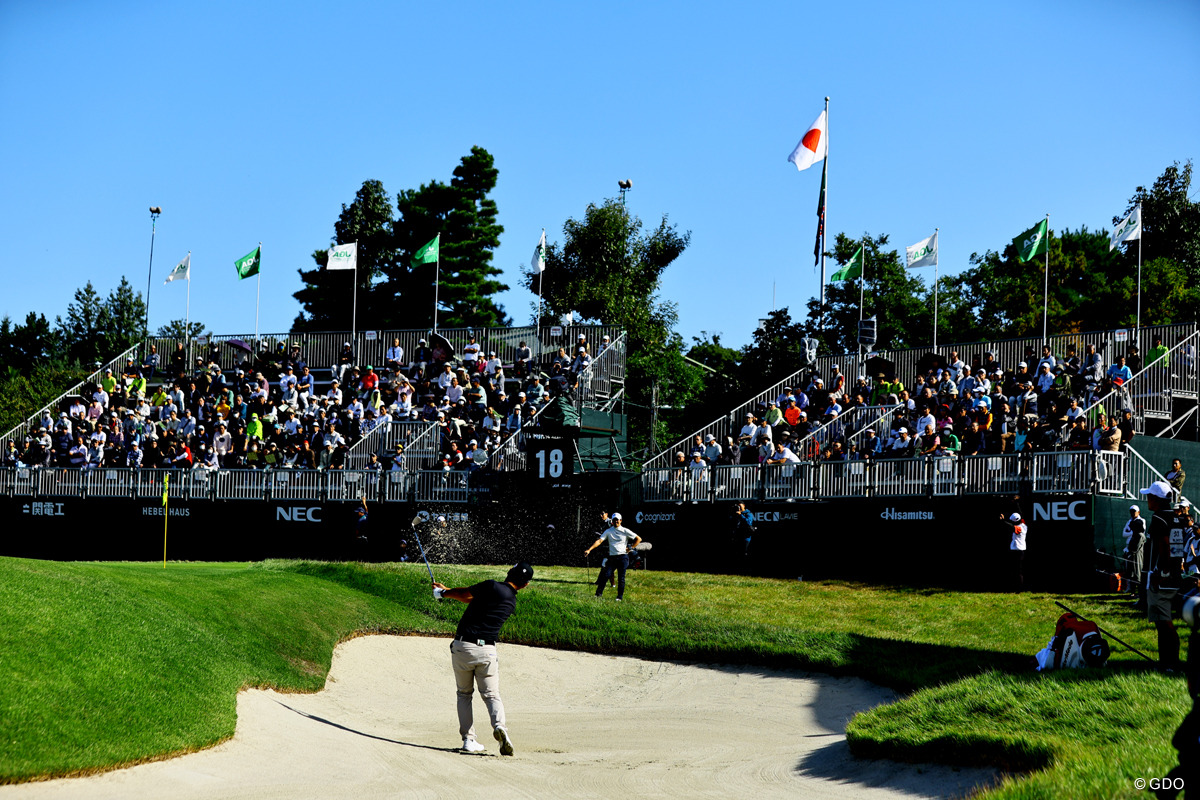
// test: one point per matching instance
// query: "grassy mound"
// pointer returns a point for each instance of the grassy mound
(109, 664)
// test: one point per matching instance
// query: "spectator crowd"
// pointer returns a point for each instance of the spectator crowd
(1047, 401)
(271, 409)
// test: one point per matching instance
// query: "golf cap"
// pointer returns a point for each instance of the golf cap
(1022, 364)
(1160, 489)
(617, 515)
(902, 430)
(441, 518)
(520, 574)
(1135, 507)
(709, 438)
(492, 353)
(422, 341)
(835, 366)
(1184, 504)
(1014, 517)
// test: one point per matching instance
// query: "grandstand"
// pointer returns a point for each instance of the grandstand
(218, 421)
(1031, 437)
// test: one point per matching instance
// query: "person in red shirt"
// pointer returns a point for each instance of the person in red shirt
(368, 383)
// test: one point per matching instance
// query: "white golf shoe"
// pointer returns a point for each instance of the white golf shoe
(506, 748)
(472, 746)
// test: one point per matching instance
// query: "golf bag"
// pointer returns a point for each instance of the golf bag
(1075, 644)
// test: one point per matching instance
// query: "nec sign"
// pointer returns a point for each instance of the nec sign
(1062, 510)
(298, 514)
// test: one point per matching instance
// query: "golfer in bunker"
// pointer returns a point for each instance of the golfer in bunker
(473, 651)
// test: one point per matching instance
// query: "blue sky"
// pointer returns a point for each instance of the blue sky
(255, 122)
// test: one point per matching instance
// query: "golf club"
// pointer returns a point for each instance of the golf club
(415, 522)
(1107, 633)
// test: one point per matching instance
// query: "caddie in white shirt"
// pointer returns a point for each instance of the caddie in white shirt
(620, 540)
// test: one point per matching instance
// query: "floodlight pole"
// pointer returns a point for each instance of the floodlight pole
(154, 212)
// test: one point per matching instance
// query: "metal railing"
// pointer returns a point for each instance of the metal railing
(735, 482)
(1140, 475)
(992, 474)
(1152, 390)
(441, 486)
(727, 424)
(596, 382)
(421, 442)
(924, 476)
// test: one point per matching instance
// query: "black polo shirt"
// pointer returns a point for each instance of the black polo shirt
(492, 603)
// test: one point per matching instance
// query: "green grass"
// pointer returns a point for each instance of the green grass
(110, 664)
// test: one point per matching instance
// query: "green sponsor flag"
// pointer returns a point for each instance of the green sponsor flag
(852, 269)
(429, 253)
(1033, 242)
(247, 265)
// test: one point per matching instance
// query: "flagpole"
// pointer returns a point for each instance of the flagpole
(541, 263)
(187, 309)
(437, 267)
(258, 292)
(825, 210)
(862, 280)
(1046, 288)
(354, 313)
(935, 283)
(1138, 332)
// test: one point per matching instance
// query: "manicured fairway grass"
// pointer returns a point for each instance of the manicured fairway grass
(107, 664)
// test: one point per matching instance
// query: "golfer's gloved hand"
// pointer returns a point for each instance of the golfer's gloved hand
(438, 593)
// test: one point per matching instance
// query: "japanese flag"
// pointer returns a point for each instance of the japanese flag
(813, 146)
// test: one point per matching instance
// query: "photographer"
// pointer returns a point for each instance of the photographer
(1164, 571)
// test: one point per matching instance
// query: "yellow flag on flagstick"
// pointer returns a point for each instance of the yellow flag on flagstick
(166, 478)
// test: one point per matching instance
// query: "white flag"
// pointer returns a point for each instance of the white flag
(538, 261)
(813, 146)
(923, 253)
(182, 271)
(1129, 229)
(343, 256)
(568, 318)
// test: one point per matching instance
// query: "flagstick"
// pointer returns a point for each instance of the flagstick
(258, 293)
(935, 283)
(1046, 289)
(166, 516)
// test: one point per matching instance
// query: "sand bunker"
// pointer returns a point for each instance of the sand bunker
(583, 726)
